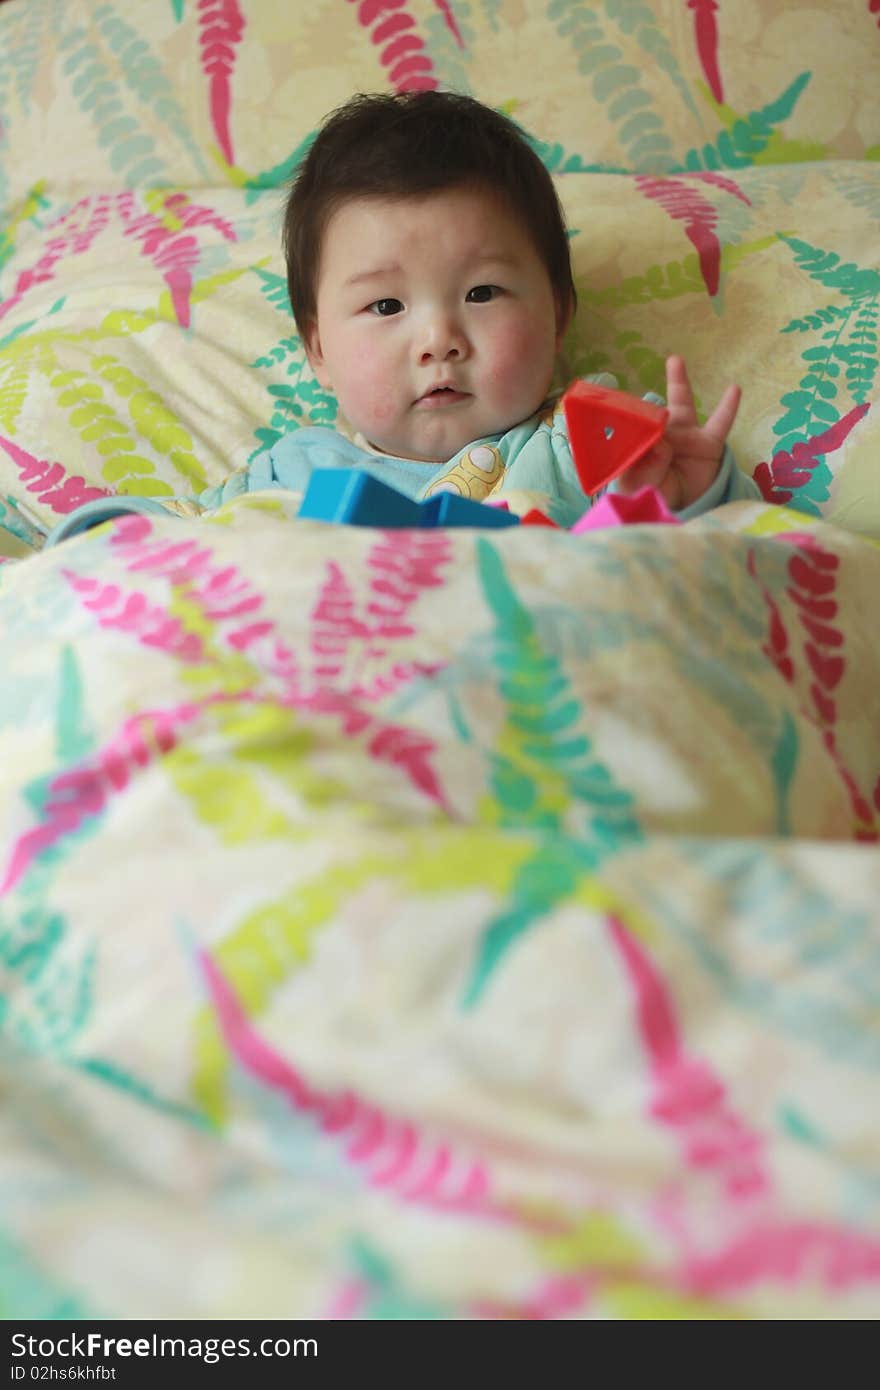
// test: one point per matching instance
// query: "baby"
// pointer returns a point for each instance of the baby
(429, 274)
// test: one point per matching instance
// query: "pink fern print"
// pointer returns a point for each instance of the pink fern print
(688, 205)
(131, 612)
(73, 233)
(221, 25)
(173, 254)
(813, 581)
(787, 471)
(812, 574)
(83, 792)
(788, 1252)
(778, 643)
(688, 1097)
(706, 35)
(408, 66)
(390, 1153)
(347, 645)
(49, 482)
(691, 1099)
(232, 605)
(724, 181)
(874, 8)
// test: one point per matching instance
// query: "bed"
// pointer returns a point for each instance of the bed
(446, 924)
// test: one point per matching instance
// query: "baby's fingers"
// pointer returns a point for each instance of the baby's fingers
(679, 396)
(720, 422)
(650, 471)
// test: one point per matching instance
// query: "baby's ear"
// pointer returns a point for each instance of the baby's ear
(312, 344)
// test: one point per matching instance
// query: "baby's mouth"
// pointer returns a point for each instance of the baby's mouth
(440, 396)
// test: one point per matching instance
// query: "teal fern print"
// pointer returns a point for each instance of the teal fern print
(637, 17)
(862, 366)
(302, 400)
(273, 288)
(279, 174)
(146, 78)
(131, 151)
(819, 318)
(613, 82)
(26, 1291)
(177, 9)
(737, 147)
(846, 354)
(543, 760)
(860, 185)
(543, 763)
(829, 951)
(449, 37)
(557, 160)
(27, 45)
(54, 978)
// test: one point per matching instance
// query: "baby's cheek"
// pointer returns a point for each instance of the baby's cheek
(370, 403)
(376, 388)
(523, 360)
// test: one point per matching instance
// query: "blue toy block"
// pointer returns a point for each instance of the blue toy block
(448, 509)
(357, 499)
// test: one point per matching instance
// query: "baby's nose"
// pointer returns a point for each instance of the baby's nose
(443, 340)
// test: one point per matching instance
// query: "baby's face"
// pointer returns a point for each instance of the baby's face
(436, 320)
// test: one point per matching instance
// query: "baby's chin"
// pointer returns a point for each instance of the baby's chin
(397, 449)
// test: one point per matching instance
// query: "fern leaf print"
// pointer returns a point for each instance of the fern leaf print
(445, 8)
(845, 355)
(146, 77)
(738, 146)
(301, 399)
(221, 26)
(639, 17)
(28, 211)
(686, 204)
(73, 233)
(406, 60)
(447, 40)
(389, 1153)
(131, 151)
(49, 482)
(788, 472)
(640, 128)
(706, 38)
(542, 766)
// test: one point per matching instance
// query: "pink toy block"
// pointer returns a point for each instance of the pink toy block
(645, 506)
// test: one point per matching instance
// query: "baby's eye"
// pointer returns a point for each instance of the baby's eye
(481, 294)
(385, 307)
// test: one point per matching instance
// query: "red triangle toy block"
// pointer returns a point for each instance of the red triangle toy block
(534, 517)
(609, 431)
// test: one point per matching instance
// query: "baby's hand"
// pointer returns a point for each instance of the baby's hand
(685, 462)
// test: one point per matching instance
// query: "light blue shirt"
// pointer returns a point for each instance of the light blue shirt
(534, 457)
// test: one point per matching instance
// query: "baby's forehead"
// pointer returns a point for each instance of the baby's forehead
(471, 217)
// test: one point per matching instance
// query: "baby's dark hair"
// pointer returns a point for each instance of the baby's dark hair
(395, 145)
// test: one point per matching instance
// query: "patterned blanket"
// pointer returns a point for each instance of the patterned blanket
(438, 924)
